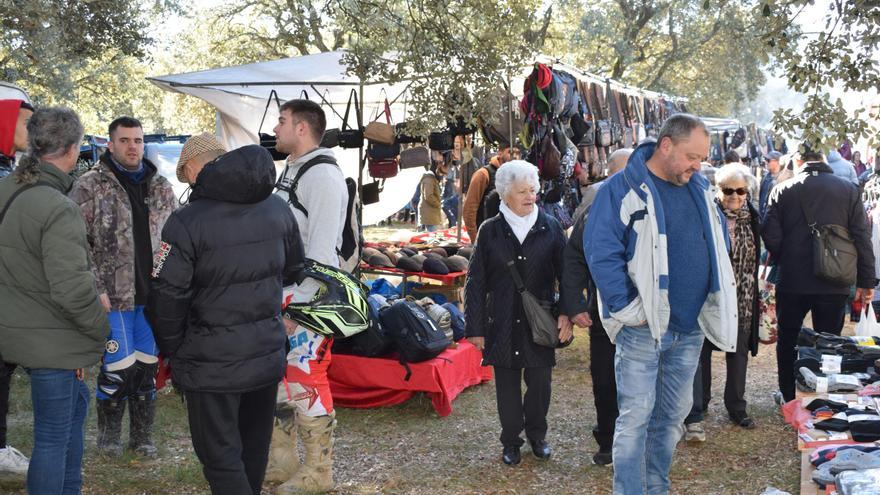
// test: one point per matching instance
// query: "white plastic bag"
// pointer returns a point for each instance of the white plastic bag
(868, 325)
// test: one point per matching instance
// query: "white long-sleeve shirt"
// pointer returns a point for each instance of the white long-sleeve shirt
(323, 193)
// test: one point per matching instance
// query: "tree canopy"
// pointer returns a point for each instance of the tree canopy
(841, 53)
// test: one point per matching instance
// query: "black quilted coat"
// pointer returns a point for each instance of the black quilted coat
(493, 307)
(216, 289)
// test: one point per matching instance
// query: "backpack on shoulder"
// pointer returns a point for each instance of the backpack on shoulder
(352, 231)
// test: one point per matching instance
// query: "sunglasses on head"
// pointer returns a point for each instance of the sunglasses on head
(728, 191)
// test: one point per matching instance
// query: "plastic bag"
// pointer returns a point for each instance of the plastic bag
(868, 325)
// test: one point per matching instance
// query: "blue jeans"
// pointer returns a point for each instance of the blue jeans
(654, 394)
(61, 402)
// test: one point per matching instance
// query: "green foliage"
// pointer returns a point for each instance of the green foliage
(703, 50)
(46, 42)
(457, 54)
(841, 54)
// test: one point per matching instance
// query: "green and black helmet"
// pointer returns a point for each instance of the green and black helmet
(339, 308)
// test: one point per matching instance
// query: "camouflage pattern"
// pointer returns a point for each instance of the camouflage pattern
(106, 210)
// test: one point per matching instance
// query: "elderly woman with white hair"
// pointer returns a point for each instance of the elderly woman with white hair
(495, 320)
(734, 185)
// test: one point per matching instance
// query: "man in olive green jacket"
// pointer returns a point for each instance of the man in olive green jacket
(52, 323)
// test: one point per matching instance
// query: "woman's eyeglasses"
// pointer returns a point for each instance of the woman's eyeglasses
(728, 191)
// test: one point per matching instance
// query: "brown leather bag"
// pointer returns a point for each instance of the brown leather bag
(550, 163)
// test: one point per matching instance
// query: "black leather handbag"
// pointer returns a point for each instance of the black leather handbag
(351, 137)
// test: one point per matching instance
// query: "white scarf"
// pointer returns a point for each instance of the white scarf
(520, 225)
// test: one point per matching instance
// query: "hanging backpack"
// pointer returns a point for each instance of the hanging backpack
(352, 232)
(415, 335)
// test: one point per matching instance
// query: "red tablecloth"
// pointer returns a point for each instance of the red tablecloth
(448, 279)
(361, 382)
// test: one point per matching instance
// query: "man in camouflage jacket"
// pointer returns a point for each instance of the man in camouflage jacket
(125, 204)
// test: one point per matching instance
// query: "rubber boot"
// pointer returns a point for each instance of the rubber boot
(316, 472)
(283, 456)
(141, 415)
(110, 414)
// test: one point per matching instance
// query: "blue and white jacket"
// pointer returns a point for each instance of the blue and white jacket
(625, 247)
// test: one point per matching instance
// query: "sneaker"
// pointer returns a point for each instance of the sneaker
(777, 398)
(694, 433)
(13, 462)
(602, 458)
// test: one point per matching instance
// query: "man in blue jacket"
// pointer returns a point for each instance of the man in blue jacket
(657, 250)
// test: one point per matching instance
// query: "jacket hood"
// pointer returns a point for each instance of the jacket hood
(245, 175)
(8, 118)
(834, 156)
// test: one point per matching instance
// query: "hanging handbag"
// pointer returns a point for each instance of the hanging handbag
(550, 159)
(415, 157)
(835, 258)
(348, 137)
(382, 169)
(381, 132)
(767, 323)
(603, 127)
(614, 112)
(370, 192)
(269, 141)
(377, 151)
(441, 141)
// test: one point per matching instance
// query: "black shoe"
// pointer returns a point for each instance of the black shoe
(511, 456)
(142, 414)
(743, 421)
(602, 458)
(540, 449)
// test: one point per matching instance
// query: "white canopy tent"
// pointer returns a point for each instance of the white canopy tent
(241, 94)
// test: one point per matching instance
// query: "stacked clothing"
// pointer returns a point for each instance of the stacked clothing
(832, 363)
(850, 468)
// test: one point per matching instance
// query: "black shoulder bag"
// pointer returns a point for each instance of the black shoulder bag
(544, 328)
(835, 257)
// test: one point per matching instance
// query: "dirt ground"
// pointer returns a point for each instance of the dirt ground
(408, 449)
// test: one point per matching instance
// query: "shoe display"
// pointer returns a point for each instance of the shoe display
(694, 432)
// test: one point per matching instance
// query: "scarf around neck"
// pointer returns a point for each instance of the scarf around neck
(744, 260)
(520, 225)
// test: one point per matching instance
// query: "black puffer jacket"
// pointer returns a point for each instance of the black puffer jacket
(493, 308)
(216, 286)
(832, 200)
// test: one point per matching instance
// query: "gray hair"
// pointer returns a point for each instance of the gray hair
(516, 171)
(618, 160)
(735, 171)
(51, 131)
(679, 127)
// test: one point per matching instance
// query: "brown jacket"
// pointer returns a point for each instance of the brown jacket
(106, 209)
(476, 191)
(429, 206)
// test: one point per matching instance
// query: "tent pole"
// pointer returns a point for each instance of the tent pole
(508, 97)
(360, 118)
